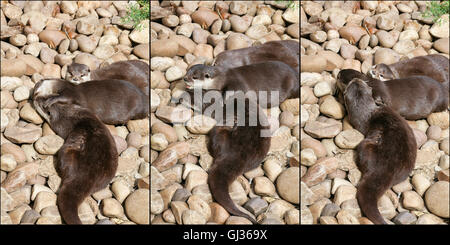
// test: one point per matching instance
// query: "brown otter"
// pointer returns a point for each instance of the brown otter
(88, 159)
(236, 150)
(134, 71)
(261, 77)
(286, 51)
(387, 154)
(413, 97)
(435, 66)
(112, 101)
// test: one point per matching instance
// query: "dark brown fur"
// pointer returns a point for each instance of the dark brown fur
(435, 66)
(133, 71)
(268, 76)
(112, 101)
(88, 159)
(413, 97)
(387, 154)
(236, 150)
(286, 51)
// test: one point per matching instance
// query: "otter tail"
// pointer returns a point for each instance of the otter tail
(218, 180)
(68, 202)
(367, 195)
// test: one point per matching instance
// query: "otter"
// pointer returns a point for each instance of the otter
(267, 76)
(88, 159)
(113, 101)
(133, 71)
(286, 51)
(387, 154)
(236, 150)
(435, 66)
(413, 97)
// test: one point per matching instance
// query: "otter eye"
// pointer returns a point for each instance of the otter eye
(206, 75)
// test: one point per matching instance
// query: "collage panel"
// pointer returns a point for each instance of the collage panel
(374, 112)
(205, 170)
(75, 112)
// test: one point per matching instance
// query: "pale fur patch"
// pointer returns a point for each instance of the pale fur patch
(83, 79)
(45, 89)
(381, 78)
(372, 73)
(207, 83)
(86, 78)
(41, 112)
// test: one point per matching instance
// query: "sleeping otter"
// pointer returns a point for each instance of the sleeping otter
(435, 66)
(88, 159)
(236, 150)
(286, 51)
(387, 154)
(271, 76)
(133, 71)
(112, 101)
(413, 97)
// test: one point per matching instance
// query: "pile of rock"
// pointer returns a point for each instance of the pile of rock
(194, 32)
(357, 35)
(39, 40)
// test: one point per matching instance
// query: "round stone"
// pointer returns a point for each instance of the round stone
(287, 190)
(437, 199)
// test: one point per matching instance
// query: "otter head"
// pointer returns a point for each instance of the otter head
(382, 72)
(44, 90)
(346, 75)
(78, 73)
(202, 77)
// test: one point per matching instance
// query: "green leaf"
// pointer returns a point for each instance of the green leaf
(436, 9)
(136, 13)
(289, 3)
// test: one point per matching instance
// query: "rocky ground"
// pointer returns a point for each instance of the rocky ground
(184, 33)
(339, 35)
(39, 40)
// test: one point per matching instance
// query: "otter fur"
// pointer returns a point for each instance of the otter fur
(270, 77)
(435, 66)
(236, 150)
(112, 101)
(133, 71)
(413, 97)
(88, 159)
(286, 51)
